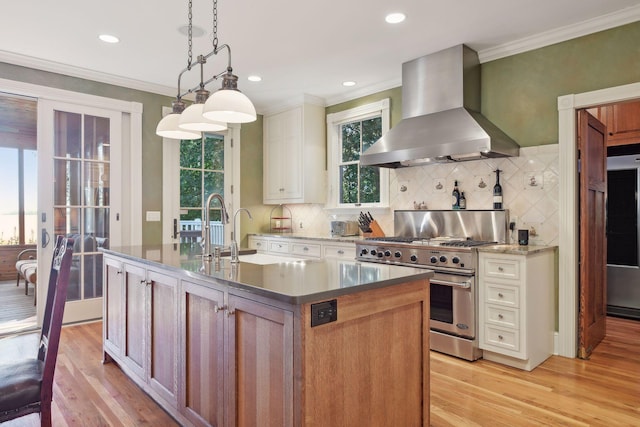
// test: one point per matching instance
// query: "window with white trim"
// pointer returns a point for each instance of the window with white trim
(351, 133)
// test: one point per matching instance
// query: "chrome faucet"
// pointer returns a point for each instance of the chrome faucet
(206, 249)
(234, 243)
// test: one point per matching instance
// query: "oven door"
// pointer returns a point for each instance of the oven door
(453, 307)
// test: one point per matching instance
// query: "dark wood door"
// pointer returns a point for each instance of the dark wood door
(593, 242)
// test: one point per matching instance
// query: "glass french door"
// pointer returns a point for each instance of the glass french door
(79, 169)
(193, 170)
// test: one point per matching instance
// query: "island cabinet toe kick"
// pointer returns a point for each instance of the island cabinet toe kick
(214, 354)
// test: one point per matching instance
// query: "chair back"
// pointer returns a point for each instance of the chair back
(54, 311)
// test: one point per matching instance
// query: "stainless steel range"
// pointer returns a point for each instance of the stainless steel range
(446, 242)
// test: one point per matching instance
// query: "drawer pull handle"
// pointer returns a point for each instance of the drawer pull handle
(500, 316)
(500, 337)
(230, 312)
(500, 295)
(258, 244)
(218, 309)
(306, 249)
(340, 252)
(500, 269)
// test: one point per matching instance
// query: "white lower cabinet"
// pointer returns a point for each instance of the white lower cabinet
(296, 247)
(516, 306)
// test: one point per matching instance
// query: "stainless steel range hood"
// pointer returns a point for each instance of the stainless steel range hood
(440, 115)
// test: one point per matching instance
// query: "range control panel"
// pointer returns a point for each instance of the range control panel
(416, 256)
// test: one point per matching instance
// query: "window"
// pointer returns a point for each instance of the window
(351, 133)
(201, 174)
(18, 216)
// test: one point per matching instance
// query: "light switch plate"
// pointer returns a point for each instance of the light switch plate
(153, 216)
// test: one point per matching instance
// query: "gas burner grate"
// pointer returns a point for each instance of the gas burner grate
(466, 243)
(392, 239)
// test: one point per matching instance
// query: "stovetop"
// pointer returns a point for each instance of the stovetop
(458, 242)
(447, 253)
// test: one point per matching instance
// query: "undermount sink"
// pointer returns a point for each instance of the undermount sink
(264, 259)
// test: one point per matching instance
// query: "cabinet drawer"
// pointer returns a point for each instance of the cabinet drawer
(502, 268)
(507, 296)
(306, 249)
(258, 244)
(502, 338)
(502, 316)
(340, 252)
(279, 247)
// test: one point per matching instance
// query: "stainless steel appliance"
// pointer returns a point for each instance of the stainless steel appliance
(446, 242)
(623, 236)
(344, 228)
(441, 120)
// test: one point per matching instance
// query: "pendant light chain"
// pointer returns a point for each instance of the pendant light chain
(215, 25)
(190, 58)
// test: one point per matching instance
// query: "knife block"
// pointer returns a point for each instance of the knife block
(376, 231)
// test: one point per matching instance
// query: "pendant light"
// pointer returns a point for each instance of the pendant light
(208, 113)
(192, 118)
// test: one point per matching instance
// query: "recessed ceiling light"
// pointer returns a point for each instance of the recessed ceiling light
(254, 78)
(395, 18)
(108, 38)
(349, 83)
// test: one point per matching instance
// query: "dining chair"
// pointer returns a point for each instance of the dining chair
(26, 371)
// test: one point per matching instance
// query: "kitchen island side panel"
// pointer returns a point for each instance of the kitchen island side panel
(371, 366)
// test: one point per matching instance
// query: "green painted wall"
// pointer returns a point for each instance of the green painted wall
(520, 92)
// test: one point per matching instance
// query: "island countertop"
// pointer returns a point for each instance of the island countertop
(294, 282)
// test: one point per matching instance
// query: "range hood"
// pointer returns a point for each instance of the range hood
(440, 115)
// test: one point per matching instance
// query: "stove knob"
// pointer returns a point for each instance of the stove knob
(380, 254)
(414, 258)
(433, 260)
(397, 254)
(364, 252)
(455, 260)
(387, 253)
(443, 258)
(373, 252)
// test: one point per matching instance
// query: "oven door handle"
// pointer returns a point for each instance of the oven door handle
(463, 285)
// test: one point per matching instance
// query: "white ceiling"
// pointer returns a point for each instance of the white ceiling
(296, 46)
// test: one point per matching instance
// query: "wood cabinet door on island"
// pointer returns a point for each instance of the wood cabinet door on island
(260, 352)
(202, 395)
(135, 324)
(113, 324)
(163, 335)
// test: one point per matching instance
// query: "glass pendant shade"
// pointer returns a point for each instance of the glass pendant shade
(230, 106)
(192, 119)
(168, 128)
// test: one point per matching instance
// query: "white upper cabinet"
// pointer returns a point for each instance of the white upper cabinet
(294, 156)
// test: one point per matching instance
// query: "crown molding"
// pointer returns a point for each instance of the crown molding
(84, 73)
(364, 91)
(547, 38)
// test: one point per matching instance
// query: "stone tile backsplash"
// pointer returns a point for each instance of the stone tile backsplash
(529, 186)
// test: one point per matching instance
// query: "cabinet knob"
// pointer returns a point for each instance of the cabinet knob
(500, 295)
(258, 244)
(230, 312)
(218, 309)
(500, 269)
(119, 272)
(500, 316)
(500, 337)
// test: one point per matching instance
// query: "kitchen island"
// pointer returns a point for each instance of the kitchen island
(304, 343)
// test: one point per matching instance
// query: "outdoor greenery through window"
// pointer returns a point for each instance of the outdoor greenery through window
(359, 184)
(201, 173)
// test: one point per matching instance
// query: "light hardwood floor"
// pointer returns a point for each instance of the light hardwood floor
(603, 391)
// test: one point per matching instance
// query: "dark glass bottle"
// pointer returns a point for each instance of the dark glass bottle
(497, 192)
(455, 196)
(463, 201)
